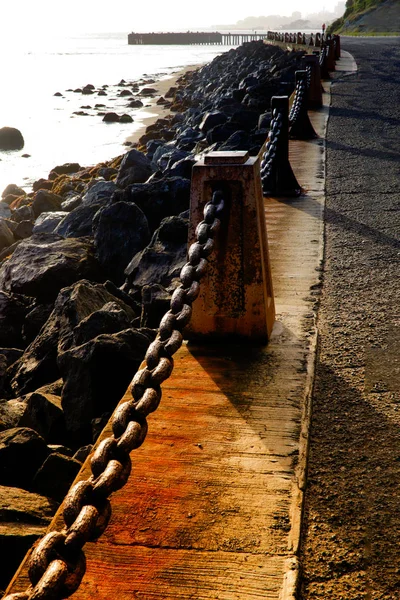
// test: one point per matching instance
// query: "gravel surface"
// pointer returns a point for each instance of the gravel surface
(351, 531)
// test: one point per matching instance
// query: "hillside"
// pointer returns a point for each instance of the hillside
(368, 17)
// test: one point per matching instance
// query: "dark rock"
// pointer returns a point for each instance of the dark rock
(23, 230)
(6, 236)
(99, 192)
(135, 168)
(239, 140)
(23, 213)
(11, 139)
(89, 391)
(14, 190)
(48, 221)
(24, 518)
(22, 451)
(45, 201)
(82, 453)
(34, 321)
(75, 304)
(38, 411)
(120, 231)
(164, 257)
(111, 117)
(45, 263)
(160, 198)
(55, 476)
(78, 223)
(13, 309)
(220, 133)
(148, 91)
(11, 355)
(125, 93)
(135, 104)
(65, 169)
(155, 303)
(5, 211)
(60, 449)
(71, 202)
(125, 119)
(211, 120)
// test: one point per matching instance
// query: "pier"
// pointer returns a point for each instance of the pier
(193, 38)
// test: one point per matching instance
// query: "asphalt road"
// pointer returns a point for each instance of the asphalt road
(351, 531)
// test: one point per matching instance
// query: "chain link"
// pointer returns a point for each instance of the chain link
(57, 563)
(269, 156)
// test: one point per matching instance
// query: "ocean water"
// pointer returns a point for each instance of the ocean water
(34, 70)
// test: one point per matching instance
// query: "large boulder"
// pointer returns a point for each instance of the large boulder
(120, 231)
(11, 139)
(162, 260)
(24, 517)
(6, 236)
(55, 476)
(22, 452)
(45, 201)
(13, 309)
(99, 192)
(78, 223)
(88, 390)
(135, 168)
(73, 321)
(48, 221)
(43, 264)
(159, 199)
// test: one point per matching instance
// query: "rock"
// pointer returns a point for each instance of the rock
(82, 453)
(24, 516)
(60, 449)
(212, 119)
(65, 169)
(45, 201)
(99, 192)
(48, 221)
(55, 476)
(71, 202)
(78, 223)
(38, 365)
(13, 309)
(23, 213)
(88, 390)
(34, 321)
(159, 199)
(22, 452)
(125, 119)
(5, 211)
(111, 117)
(164, 257)
(135, 168)
(125, 93)
(239, 140)
(14, 190)
(135, 104)
(11, 139)
(38, 411)
(120, 231)
(155, 303)
(23, 230)
(45, 263)
(148, 92)
(6, 236)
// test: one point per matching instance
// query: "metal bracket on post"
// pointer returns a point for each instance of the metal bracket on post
(236, 297)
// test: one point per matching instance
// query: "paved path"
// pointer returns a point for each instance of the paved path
(351, 546)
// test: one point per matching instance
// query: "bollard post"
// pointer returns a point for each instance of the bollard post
(236, 296)
(311, 62)
(330, 55)
(277, 175)
(336, 39)
(317, 40)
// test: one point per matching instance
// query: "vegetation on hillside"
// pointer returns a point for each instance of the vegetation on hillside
(354, 9)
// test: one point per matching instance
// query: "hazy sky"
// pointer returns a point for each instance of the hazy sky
(41, 16)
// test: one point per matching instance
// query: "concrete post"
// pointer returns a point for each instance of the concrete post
(236, 297)
(315, 89)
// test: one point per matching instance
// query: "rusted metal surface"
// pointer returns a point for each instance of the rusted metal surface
(212, 507)
(236, 298)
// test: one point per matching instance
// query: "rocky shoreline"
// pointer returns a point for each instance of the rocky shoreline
(88, 262)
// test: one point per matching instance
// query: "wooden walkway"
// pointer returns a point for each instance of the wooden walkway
(213, 505)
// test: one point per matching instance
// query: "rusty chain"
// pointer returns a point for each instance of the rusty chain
(57, 563)
(299, 99)
(269, 156)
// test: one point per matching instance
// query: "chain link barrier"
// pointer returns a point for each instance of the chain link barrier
(299, 122)
(270, 154)
(57, 563)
